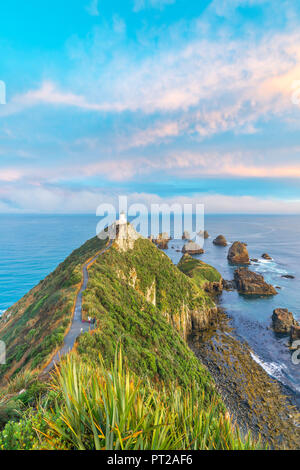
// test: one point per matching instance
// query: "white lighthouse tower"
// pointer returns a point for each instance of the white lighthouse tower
(123, 219)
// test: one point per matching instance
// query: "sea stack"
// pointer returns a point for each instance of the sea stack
(192, 248)
(266, 256)
(250, 283)
(220, 241)
(283, 321)
(162, 241)
(203, 234)
(186, 235)
(238, 254)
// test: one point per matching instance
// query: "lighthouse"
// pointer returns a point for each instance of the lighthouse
(123, 218)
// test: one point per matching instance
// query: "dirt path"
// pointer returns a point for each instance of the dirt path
(78, 326)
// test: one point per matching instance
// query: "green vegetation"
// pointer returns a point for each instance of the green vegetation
(93, 407)
(159, 397)
(35, 326)
(202, 273)
(119, 285)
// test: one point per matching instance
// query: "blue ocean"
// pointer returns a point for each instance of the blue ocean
(32, 246)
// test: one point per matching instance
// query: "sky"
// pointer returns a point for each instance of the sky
(161, 100)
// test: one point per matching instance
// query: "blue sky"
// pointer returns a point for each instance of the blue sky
(162, 100)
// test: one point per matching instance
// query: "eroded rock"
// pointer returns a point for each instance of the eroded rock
(238, 254)
(220, 241)
(250, 283)
(283, 320)
(192, 248)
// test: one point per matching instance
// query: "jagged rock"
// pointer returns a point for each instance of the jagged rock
(162, 241)
(220, 241)
(283, 320)
(238, 254)
(122, 234)
(228, 285)
(204, 234)
(254, 260)
(250, 283)
(266, 256)
(295, 332)
(192, 248)
(288, 276)
(186, 235)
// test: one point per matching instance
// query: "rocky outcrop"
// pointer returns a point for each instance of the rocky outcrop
(203, 234)
(186, 235)
(162, 241)
(192, 248)
(123, 235)
(205, 276)
(288, 276)
(228, 285)
(283, 320)
(250, 283)
(220, 241)
(266, 256)
(238, 254)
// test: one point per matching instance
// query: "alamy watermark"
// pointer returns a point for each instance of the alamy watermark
(296, 354)
(164, 218)
(2, 92)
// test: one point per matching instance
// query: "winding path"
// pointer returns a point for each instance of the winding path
(78, 326)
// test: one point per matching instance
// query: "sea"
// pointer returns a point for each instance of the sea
(31, 246)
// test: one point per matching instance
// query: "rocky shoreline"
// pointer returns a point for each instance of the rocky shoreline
(254, 399)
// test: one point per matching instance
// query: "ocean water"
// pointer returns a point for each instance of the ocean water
(32, 246)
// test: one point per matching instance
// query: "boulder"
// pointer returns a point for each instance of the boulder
(254, 260)
(266, 256)
(283, 320)
(204, 234)
(288, 276)
(250, 283)
(220, 241)
(192, 248)
(186, 235)
(238, 254)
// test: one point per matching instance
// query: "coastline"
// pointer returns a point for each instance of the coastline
(256, 401)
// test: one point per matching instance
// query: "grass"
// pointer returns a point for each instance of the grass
(35, 326)
(113, 409)
(202, 273)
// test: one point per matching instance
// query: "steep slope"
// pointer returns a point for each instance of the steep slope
(141, 300)
(35, 326)
(135, 296)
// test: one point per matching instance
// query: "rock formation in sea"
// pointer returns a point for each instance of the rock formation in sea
(186, 235)
(204, 234)
(220, 241)
(288, 276)
(266, 256)
(250, 283)
(162, 241)
(283, 320)
(192, 248)
(238, 254)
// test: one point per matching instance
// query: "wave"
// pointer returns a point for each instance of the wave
(269, 266)
(274, 369)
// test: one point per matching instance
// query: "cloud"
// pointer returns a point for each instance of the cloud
(93, 8)
(159, 4)
(57, 200)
